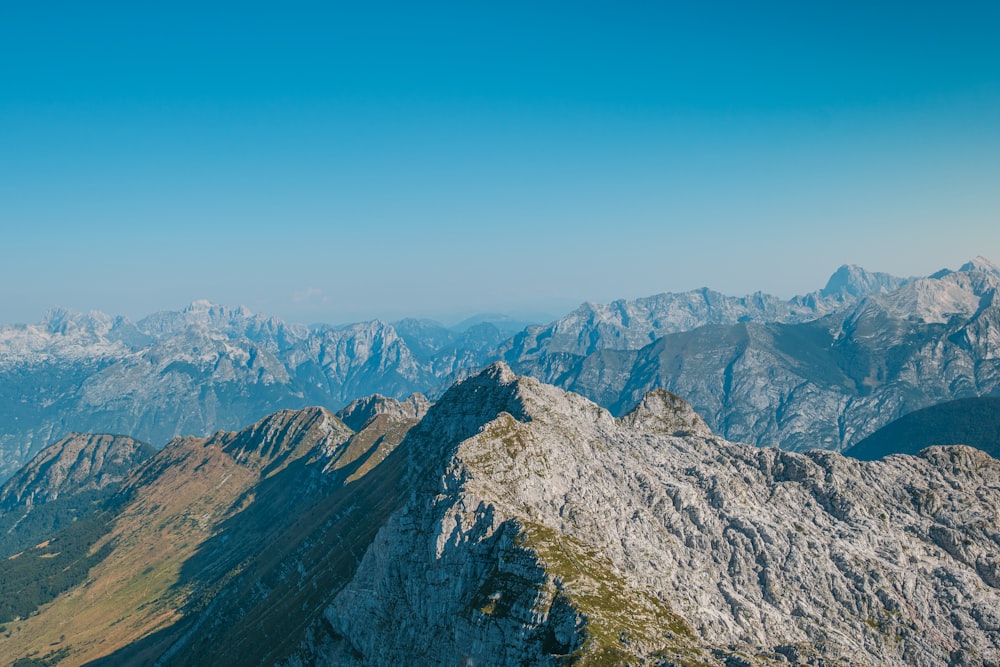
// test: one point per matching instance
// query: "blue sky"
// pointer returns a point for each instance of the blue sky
(330, 162)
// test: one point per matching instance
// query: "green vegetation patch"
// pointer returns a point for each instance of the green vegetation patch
(503, 446)
(49, 659)
(41, 573)
(621, 624)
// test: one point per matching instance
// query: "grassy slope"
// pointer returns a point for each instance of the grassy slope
(137, 588)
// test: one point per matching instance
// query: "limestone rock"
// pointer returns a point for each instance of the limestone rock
(554, 531)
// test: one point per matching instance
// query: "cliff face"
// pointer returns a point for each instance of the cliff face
(77, 463)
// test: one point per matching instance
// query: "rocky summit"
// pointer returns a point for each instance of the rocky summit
(515, 523)
(549, 532)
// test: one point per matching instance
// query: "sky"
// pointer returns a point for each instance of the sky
(335, 162)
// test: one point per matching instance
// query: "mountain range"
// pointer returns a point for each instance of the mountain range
(820, 370)
(512, 523)
(822, 383)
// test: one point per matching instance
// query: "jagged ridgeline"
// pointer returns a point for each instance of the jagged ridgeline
(514, 523)
(820, 370)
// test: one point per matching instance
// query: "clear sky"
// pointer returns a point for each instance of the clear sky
(342, 161)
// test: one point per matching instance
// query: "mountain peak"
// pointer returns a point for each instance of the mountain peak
(209, 310)
(200, 304)
(496, 384)
(278, 436)
(60, 320)
(473, 402)
(201, 313)
(500, 372)
(980, 263)
(660, 411)
(853, 280)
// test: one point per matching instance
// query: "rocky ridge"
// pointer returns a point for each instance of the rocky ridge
(554, 531)
(825, 383)
(182, 524)
(631, 325)
(204, 368)
(77, 463)
(362, 411)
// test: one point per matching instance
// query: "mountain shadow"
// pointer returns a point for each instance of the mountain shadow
(967, 421)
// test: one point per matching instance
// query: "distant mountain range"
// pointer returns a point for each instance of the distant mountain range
(205, 368)
(820, 370)
(510, 523)
(822, 383)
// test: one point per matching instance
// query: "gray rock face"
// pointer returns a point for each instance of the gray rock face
(539, 528)
(515, 524)
(77, 463)
(631, 325)
(659, 411)
(853, 281)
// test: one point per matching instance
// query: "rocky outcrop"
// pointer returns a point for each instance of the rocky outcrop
(77, 463)
(659, 411)
(554, 532)
(853, 281)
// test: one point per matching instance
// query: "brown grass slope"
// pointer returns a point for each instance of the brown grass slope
(267, 570)
(169, 508)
